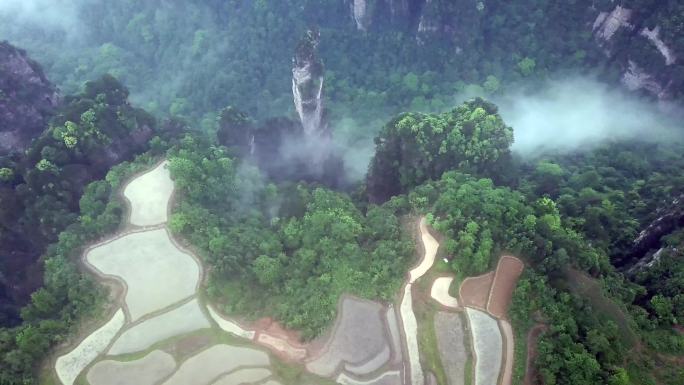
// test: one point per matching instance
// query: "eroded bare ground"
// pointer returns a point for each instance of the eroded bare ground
(474, 291)
(508, 271)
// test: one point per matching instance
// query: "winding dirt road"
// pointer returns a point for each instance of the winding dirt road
(408, 318)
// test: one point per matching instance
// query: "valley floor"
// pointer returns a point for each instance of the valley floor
(162, 331)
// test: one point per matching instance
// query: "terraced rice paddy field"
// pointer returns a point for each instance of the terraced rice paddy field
(162, 333)
(487, 345)
(452, 344)
(142, 343)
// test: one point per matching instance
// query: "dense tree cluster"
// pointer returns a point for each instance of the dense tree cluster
(481, 221)
(413, 147)
(607, 195)
(192, 59)
(68, 295)
(569, 217)
(40, 190)
(288, 251)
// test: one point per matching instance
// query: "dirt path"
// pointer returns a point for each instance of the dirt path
(408, 318)
(509, 346)
(532, 340)
(430, 246)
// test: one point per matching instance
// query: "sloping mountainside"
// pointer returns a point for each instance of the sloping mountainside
(337, 183)
(51, 164)
(639, 40)
(27, 99)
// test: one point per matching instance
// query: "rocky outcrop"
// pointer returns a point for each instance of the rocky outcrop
(607, 23)
(107, 131)
(631, 42)
(360, 13)
(667, 221)
(307, 84)
(647, 261)
(635, 78)
(640, 43)
(27, 99)
(653, 35)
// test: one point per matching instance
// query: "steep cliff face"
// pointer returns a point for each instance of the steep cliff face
(668, 220)
(307, 84)
(27, 99)
(88, 134)
(639, 42)
(359, 10)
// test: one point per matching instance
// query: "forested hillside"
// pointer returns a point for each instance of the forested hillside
(381, 57)
(287, 216)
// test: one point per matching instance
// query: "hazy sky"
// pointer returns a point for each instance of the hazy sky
(50, 13)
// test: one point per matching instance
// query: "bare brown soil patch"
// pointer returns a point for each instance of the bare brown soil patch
(508, 271)
(283, 342)
(474, 291)
(530, 367)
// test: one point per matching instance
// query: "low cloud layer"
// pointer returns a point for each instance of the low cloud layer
(577, 113)
(48, 14)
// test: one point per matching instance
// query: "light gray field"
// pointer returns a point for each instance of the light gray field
(146, 371)
(393, 328)
(372, 365)
(149, 195)
(184, 319)
(156, 272)
(229, 326)
(70, 365)
(450, 333)
(488, 347)
(387, 378)
(358, 339)
(209, 364)
(244, 376)
(440, 292)
(507, 331)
